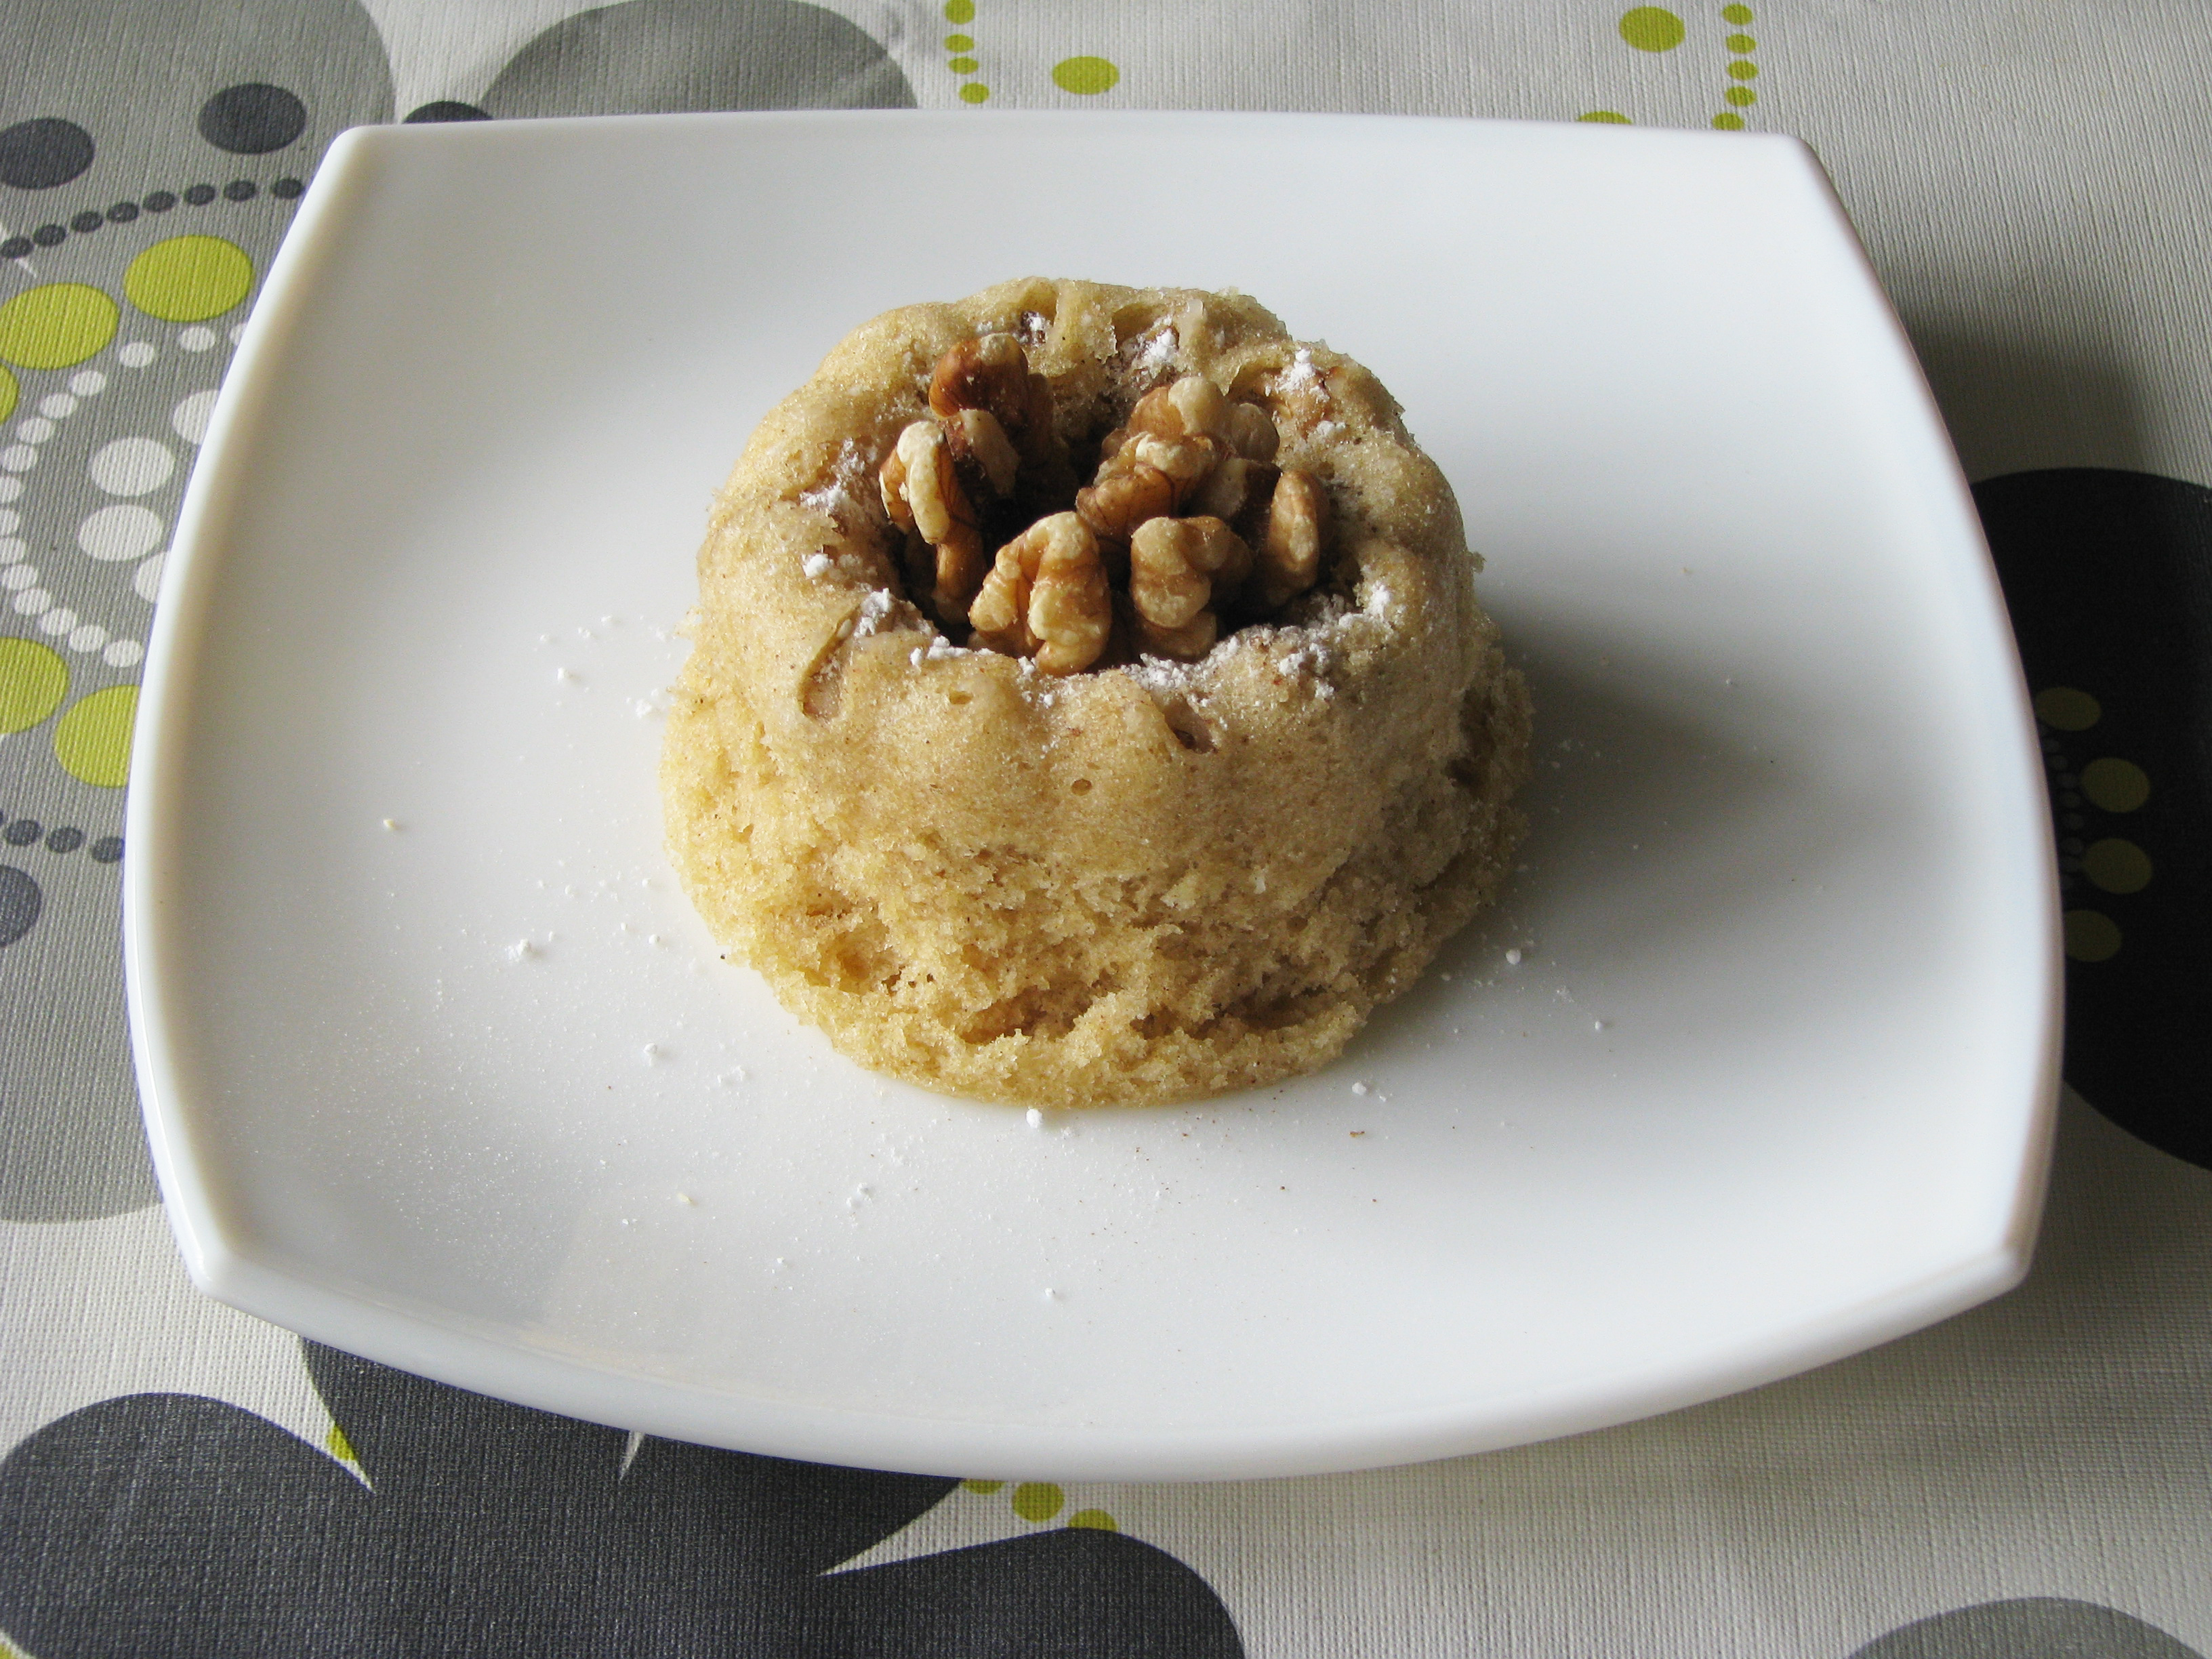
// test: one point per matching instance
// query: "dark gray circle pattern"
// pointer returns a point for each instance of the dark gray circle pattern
(659, 57)
(19, 904)
(41, 154)
(447, 109)
(253, 119)
(2037, 1627)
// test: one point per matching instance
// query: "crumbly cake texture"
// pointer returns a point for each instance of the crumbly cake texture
(1132, 884)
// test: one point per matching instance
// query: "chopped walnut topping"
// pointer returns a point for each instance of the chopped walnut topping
(1047, 598)
(1235, 489)
(1251, 432)
(1290, 547)
(1120, 501)
(1186, 644)
(1192, 407)
(991, 374)
(1187, 508)
(1181, 568)
(980, 444)
(922, 493)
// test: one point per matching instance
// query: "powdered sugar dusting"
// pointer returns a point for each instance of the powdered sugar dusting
(1310, 653)
(849, 495)
(1303, 374)
(825, 565)
(1166, 676)
(940, 649)
(1314, 659)
(879, 608)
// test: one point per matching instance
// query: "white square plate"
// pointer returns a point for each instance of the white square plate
(1769, 1083)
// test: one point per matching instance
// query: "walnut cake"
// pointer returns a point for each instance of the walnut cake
(1088, 703)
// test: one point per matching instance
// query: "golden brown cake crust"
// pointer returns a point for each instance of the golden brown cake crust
(1132, 885)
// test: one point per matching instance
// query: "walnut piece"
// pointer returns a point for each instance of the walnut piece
(1047, 598)
(922, 493)
(1120, 501)
(990, 375)
(1180, 567)
(1252, 432)
(1289, 549)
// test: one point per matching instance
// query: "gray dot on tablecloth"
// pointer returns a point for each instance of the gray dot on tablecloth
(20, 901)
(447, 109)
(661, 56)
(253, 119)
(38, 155)
(2037, 1627)
(22, 832)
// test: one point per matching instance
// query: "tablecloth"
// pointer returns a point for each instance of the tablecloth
(2030, 1479)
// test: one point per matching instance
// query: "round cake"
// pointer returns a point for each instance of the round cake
(1088, 703)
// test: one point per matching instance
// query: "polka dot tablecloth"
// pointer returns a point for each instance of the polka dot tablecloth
(2032, 1480)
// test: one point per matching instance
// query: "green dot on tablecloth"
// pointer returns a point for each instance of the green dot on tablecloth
(1741, 97)
(34, 680)
(960, 43)
(2068, 709)
(1729, 123)
(1737, 15)
(2117, 865)
(1741, 43)
(1652, 29)
(2116, 785)
(959, 11)
(1038, 1500)
(1605, 117)
(1094, 1520)
(56, 325)
(1085, 75)
(2091, 936)
(9, 393)
(189, 279)
(1742, 70)
(93, 740)
(964, 66)
(986, 1487)
(973, 93)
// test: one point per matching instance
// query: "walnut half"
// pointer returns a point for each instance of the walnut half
(1047, 598)
(923, 493)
